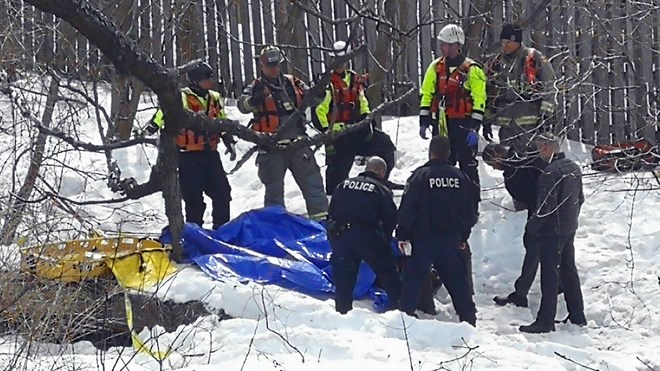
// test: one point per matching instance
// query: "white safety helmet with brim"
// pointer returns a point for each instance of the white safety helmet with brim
(340, 48)
(451, 34)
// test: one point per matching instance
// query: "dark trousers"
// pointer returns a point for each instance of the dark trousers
(349, 249)
(339, 164)
(465, 155)
(530, 264)
(202, 172)
(445, 254)
(558, 261)
(306, 173)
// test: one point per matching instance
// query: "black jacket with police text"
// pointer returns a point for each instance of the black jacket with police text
(437, 201)
(559, 199)
(521, 175)
(365, 202)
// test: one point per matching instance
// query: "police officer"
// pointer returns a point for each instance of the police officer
(521, 176)
(454, 91)
(436, 216)
(362, 216)
(521, 91)
(272, 98)
(200, 167)
(553, 225)
(345, 104)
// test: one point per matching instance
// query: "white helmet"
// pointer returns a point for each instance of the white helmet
(452, 33)
(339, 48)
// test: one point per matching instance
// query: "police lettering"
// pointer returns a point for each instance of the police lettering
(444, 183)
(359, 186)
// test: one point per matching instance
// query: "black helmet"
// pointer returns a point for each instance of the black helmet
(201, 71)
(271, 55)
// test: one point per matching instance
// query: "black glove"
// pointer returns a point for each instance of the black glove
(424, 125)
(150, 129)
(258, 95)
(230, 143)
(488, 131)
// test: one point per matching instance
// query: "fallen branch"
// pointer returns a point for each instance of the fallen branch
(646, 364)
(572, 361)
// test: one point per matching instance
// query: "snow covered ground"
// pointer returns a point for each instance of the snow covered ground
(617, 253)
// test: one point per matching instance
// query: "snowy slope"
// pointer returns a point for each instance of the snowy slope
(275, 329)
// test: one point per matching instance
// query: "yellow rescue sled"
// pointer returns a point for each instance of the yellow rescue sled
(135, 262)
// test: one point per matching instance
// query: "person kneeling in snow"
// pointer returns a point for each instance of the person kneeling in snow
(436, 216)
(521, 176)
(362, 216)
(200, 167)
(553, 225)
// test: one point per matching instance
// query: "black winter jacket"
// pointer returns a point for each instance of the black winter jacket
(437, 201)
(365, 202)
(521, 175)
(560, 197)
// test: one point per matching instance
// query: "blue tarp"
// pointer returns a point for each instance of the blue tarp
(272, 246)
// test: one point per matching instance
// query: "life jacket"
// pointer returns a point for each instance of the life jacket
(345, 105)
(450, 92)
(187, 139)
(529, 72)
(267, 119)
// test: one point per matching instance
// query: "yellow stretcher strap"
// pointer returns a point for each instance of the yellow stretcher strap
(138, 344)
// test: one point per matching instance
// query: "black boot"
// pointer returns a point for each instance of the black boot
(578, 320)
(512, 298)
(537, 328)
(471, 319)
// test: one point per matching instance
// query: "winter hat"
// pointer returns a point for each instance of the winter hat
(511, 32)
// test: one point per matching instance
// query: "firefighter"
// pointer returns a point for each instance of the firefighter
(362, 216)
(521, 91)
(272, 98)
(453, 98)
(200, 168)
(345, 104)
(436, 217)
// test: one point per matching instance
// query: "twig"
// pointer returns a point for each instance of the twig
(254, 334)
(405, 335)
(90, 146)
(572, 361)
(287, 342)
(646, 364)
(456, 359)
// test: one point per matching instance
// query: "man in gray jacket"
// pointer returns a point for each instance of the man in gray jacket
(272, 98)
(553, 226)
(521, 91)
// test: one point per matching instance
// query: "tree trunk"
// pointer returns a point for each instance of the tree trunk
(382, 51)
(17, 206)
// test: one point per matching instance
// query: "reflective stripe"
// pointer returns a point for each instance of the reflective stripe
(425, 112)
(547, 106)
(478, 116)
(526, 120)
(318, 216)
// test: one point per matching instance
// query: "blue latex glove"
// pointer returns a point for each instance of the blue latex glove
(472, 138)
